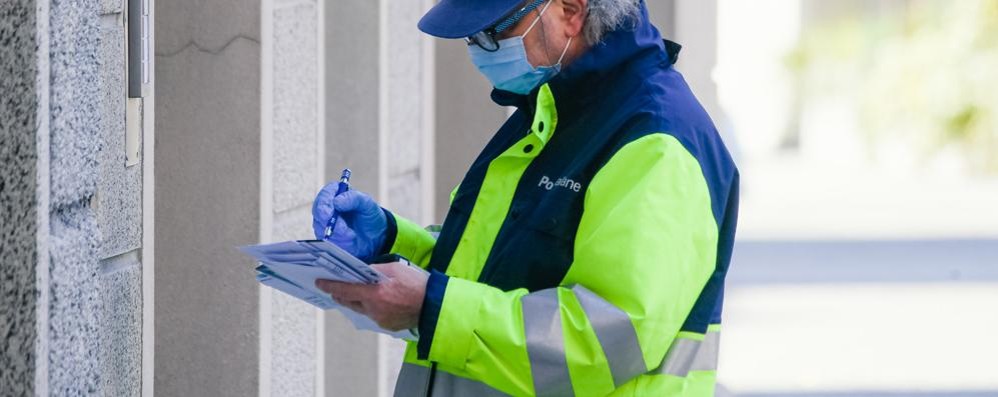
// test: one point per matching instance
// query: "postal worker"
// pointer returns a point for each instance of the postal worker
(585, 251)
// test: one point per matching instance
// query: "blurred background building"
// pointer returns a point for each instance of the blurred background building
(866, 134)
(866, 131)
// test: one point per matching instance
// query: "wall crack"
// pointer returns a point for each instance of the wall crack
(201, 48)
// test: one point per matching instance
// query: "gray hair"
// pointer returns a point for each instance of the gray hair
(606, 16)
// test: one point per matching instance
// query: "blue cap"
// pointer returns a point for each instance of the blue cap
(455, 19)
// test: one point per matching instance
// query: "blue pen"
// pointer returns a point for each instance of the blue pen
(344, 186)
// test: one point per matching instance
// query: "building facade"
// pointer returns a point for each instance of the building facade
(75, 257)
(135, 159)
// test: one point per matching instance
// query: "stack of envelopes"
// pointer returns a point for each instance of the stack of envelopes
(293, 267)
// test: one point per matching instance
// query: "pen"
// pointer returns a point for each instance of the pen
(344, 186)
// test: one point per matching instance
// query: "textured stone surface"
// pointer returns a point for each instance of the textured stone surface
(293, 365)
(296, 172)
(404, 191)
(295, 224)
(75, 115)
(90, 342)
(75, 307)
(111, 6)
(406, 102)
(296, 107)
(18, 203)
(75, 341)
(293, 325)
(121, 329)
(208, 193)
(119, 203)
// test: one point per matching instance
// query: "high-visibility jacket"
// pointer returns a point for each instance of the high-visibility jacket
(585, 251)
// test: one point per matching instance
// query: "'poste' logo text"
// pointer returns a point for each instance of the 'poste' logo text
(562, 182)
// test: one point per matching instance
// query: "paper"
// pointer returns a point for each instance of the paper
(293, 267)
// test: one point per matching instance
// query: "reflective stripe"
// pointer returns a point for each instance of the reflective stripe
(546, 344)
(706, 358)
(616, 334)
(447, 385)
(680, 356)
(687, 355)
(413, 381)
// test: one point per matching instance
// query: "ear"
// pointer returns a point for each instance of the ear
(574, 17)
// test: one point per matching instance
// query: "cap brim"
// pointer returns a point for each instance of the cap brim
(455, 19)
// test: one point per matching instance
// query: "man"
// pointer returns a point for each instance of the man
(585, 251)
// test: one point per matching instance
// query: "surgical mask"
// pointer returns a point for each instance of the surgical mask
(509, 69)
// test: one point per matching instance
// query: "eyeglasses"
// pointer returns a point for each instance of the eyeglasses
(486, 39)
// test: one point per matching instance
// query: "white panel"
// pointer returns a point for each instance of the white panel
(133, 132)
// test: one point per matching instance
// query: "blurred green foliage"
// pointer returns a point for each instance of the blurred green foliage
(925, 73)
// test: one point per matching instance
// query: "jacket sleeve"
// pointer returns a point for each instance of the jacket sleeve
(409, 240)
(644, 249)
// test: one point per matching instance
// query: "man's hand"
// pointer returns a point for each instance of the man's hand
(360, 223)
(394, 304)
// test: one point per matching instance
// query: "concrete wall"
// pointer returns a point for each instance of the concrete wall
(352, 140)
(408, 126)
(663, 14)
(19, 202)
(466, 118)
(240, 161)
(73, 238)
(207, 195)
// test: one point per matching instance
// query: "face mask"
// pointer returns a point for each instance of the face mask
(508, 67)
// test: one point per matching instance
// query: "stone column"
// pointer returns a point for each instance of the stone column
(292, 172)
(119, 209)
(379, 123)
(23, 196)
(75, 316)
(239, 163)
(72, 206)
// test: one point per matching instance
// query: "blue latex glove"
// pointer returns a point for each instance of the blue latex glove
(360, 222)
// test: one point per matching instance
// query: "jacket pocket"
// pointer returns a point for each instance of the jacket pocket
(534, 252)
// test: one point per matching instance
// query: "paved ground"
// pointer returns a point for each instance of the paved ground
(877, 319)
